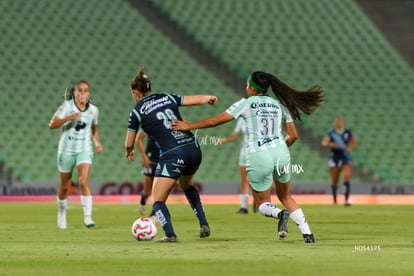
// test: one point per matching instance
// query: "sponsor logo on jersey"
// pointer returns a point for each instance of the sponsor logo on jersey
(72, 138)
(262, 112)
(260, 104)
(150, 105)
(80, 125)
(266, 140)
(177, 134)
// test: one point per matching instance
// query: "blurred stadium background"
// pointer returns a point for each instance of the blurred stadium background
(360, 52)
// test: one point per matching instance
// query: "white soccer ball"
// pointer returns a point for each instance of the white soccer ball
(144, 229)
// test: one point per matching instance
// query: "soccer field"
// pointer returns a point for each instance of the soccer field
(359, 240)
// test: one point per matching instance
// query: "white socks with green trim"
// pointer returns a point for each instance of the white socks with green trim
(269, 210)
(299, 218)
(61, 217)
(86, 202)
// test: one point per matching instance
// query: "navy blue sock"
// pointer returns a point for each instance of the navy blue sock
(334, 193)
(143, 198)
(193, 198)
(347, 190)
(163, 216)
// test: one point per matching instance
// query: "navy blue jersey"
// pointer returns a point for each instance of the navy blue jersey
(342, 140)
(154, 114)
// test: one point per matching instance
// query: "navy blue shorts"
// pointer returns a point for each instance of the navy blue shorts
(151, 170)
(183, 160)
(339, 161)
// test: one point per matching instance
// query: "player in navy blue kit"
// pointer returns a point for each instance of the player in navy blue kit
(341, 142)
(149, 155)
(180, 155)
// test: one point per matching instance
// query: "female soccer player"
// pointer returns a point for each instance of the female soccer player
(268, 156)
(341, 142)
(149, 157)
(244, 180)
(180, 155)
(78, 118)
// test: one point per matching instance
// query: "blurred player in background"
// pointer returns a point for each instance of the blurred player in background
(180, 154)
(149, 157)
(244, 183)
(78, 118)
(341, 142)
(268, 156)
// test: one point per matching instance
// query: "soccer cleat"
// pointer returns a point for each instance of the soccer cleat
(142, 210)
(347, 204)
(204, 231)
(168, 239)
(61, 220)
(308, 238)
(282, 228)
(89, 222)
(242, 211)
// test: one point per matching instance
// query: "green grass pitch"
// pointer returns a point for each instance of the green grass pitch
(359, 240)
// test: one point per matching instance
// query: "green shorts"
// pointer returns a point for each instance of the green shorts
(66, 162)
(263, 166)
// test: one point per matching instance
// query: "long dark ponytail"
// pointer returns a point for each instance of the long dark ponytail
(294, 100)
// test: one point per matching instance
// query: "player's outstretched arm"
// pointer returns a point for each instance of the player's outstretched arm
(206, 123)
(200, 99)
(230, 138)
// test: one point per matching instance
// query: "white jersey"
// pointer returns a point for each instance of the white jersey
(263, 118)
(76, 136)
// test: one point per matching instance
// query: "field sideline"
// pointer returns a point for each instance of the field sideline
(359, 240)
(221, 198)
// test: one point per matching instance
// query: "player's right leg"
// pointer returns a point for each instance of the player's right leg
(65, 165)
(334, 170)
(61, 200)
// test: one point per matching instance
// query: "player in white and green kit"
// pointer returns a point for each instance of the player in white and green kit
(78, 118)
(244, 180)
(267, 154)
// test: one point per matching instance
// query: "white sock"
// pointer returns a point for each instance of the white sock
(244, 199)
(61, 217)
(299, 218)
(62, 204)
(269, 210)
(86, 202)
